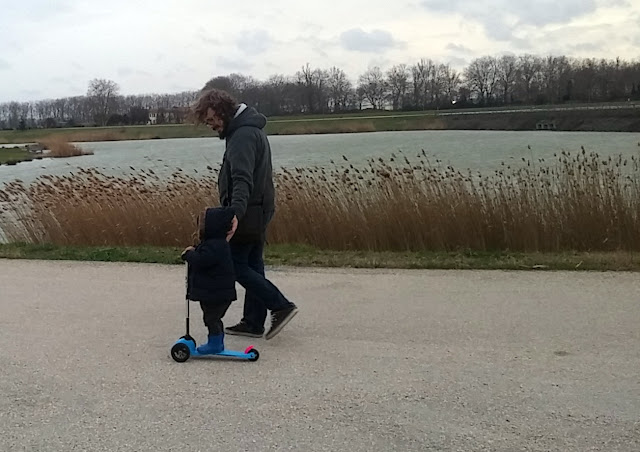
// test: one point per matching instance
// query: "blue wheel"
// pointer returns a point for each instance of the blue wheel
(180, 352)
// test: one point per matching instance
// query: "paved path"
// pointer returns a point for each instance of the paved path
(375, 361)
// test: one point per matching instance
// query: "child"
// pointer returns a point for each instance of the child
(210, 278)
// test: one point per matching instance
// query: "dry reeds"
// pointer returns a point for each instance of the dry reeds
(580, 202)
(59, 147)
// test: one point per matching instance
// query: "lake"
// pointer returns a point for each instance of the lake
(478, 150)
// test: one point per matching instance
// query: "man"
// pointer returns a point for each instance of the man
(245, 184)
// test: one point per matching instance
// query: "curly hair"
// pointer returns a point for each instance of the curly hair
(223, 104)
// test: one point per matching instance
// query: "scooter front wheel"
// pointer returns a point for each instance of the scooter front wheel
(180, 352)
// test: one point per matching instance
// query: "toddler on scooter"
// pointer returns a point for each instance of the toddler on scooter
(210, 277)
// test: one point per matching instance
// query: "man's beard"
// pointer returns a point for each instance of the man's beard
(222, 135)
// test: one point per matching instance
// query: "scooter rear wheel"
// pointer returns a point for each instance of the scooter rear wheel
(255, 355)
(180, 352)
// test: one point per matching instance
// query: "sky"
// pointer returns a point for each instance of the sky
(53, 48)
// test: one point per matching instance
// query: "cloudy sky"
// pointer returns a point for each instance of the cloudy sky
(52, 48)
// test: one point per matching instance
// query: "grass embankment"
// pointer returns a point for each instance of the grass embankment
(56, 146)
(90, 134)
(576, 212)
(307, 256)
(627, 119)
(11, 156)
(277, 126)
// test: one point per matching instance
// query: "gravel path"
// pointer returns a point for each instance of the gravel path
(374, 361)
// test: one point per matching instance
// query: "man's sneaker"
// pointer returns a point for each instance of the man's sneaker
(242, 329)
(279, 319)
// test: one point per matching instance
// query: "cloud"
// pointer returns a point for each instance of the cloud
(254, 42)
(58, 80)
(587, 47)
(540, 12)
(4, 65)
(124, 71)
(314, 43)
(203, 36)
(35, 10)
(32, 93)
(456, 61)
(224, 64)
(458, 48)
(359, 40)
(501, 19)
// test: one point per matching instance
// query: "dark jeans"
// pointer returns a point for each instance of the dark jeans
(212, 315)
(261, 294)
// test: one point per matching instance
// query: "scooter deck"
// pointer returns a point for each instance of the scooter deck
(249, 353)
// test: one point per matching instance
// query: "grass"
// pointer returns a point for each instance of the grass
(91, 134)
(11, 156)
(57, 146)
(306, 256)
(363, 121)
(577, 203)
(288, 126)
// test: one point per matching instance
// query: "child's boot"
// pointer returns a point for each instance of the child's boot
(215, 345)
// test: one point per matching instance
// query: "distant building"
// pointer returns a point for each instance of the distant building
(546, 125)
(174, 115)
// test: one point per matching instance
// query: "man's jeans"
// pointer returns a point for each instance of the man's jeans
(261, 294)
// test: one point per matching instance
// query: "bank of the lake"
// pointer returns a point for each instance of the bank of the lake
(14, 155)
(603, 118)
(306, 256)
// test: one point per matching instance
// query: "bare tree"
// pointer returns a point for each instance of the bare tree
(507, 68)
(451, 82)
(102, 94)
(374, 87)
(306, 81)
(482, 77)
(528, 76)
(554, 77)
(423, 74)
(313, 89)
(339, 88)
(398, 82)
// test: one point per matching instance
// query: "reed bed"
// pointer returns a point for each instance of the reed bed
(578, 202)
(59, 147)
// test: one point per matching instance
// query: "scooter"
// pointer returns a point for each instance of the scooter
(185, 347)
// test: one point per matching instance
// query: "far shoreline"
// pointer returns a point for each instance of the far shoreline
(625, 118)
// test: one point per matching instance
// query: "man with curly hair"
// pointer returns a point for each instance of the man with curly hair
(245, 184)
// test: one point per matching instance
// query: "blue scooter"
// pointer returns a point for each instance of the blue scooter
(185, 347)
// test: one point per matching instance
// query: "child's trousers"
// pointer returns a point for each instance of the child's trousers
(213, 314)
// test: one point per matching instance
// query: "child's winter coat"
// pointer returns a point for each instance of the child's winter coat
(211, 277)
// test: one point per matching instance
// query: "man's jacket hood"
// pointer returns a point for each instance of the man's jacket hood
(249, 117)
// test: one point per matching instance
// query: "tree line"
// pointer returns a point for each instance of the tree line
(486, 82)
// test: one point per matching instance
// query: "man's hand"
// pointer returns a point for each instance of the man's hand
(189, 248)
(234, 226)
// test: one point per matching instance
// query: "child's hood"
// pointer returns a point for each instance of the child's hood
(217, 222)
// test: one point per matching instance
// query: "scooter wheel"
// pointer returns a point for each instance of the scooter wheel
(254, 355)
(180, 352)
